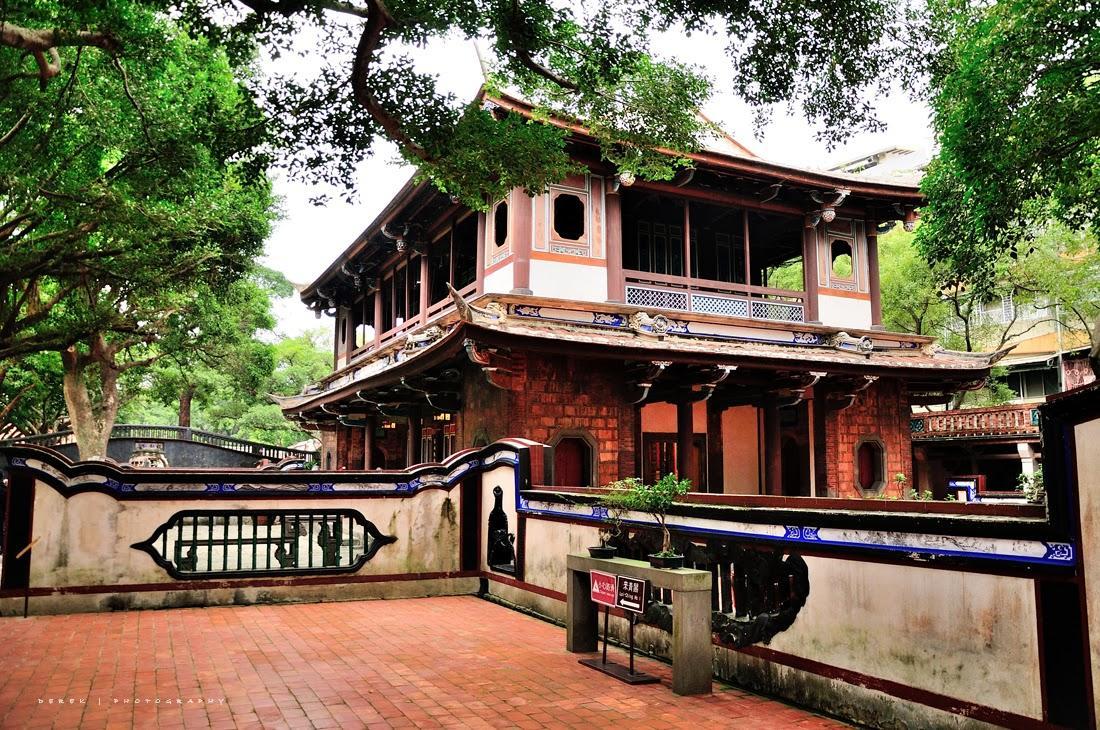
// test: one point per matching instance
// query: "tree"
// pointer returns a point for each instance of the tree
(132, 201)
(593, 65)
(111, 162)
(229, 354)
(1055, 281)
(1015, 90)
(31, 400)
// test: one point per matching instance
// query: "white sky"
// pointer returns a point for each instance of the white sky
(309, 238)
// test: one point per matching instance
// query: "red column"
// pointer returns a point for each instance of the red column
(809, 273)
(773, 445)
(521, 242)
(872, 275)
(616, 291)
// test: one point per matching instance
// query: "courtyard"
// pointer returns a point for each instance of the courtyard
(431, 662)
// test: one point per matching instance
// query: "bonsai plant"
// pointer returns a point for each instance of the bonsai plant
(612, 526)
(635, 495)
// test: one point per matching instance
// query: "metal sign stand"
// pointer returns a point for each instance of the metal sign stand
(618, 671)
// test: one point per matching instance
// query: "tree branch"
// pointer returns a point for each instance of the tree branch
(378, 19)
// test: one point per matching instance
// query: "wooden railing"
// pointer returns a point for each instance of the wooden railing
(704, 296)
(1012, 420)
(180, 433)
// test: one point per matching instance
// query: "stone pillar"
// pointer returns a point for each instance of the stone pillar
(691, 647)
(582, 631)
(1027, 458)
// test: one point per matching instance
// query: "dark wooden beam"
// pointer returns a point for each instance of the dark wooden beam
(685, 437)
(773, 458)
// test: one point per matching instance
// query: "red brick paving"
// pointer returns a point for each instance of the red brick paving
(432, 662)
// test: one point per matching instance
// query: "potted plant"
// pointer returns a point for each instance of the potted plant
(635, 495)
(612, 526)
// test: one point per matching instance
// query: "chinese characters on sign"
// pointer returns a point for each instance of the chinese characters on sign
(631, 593)
(603, 588)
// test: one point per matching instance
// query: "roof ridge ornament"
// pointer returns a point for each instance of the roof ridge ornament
(492, 313)
(847, 343)
(643, 323)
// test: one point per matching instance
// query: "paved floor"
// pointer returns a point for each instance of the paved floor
(434, 662)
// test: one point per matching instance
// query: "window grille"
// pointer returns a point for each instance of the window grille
(778, 311)
(658, 298)
(720, 305)
(244, 543)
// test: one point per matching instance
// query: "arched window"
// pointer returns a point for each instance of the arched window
(569, 217)
(500, 224)
(841, 256)
(573, 462)
(870, 466)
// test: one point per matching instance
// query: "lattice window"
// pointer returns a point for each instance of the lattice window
(657, 298)
(778, 311)
(720, 305)
(220, 543)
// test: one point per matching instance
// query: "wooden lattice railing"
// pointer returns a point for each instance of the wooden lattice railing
(1012, 420)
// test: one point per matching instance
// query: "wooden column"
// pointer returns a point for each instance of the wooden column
(378, 312)
(521, 241)
(425, 292)
(872, 275)
(715, 456)
(685, 433)
(773, 457)
(368, 443)
(616, 289)
(687, 238)
(482, 243)
(809, 273)
(412, 448)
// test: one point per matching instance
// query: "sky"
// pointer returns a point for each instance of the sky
(308, 238)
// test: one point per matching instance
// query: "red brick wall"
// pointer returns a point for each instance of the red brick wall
(550, 394)
(882, 412)
(350, 444)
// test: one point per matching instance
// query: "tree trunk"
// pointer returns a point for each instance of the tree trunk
(187, 394)
(92, 416)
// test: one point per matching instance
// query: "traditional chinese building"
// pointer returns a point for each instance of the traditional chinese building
(724, 325)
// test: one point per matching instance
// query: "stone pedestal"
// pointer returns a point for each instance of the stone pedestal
(692, 654)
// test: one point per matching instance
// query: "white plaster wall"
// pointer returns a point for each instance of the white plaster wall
(1088, 486)
(964, 635)
(500, 281)
(569, 281)
(86, 539)
(844, 311)
(740, 451)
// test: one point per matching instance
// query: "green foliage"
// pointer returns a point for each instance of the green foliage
(1033, 486)
(31, 400)
(1016, 99)
(632, 494)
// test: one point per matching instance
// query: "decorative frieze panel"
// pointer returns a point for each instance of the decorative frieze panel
(244, 543)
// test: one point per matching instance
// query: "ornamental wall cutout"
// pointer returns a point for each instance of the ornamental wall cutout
(246, 543)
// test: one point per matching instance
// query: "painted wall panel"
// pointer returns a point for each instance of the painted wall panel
(844, 311)
(569, 281)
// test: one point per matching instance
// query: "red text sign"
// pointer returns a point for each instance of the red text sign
(603, 588)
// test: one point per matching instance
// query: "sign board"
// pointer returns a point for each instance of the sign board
(631, 593)
(603, 588)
